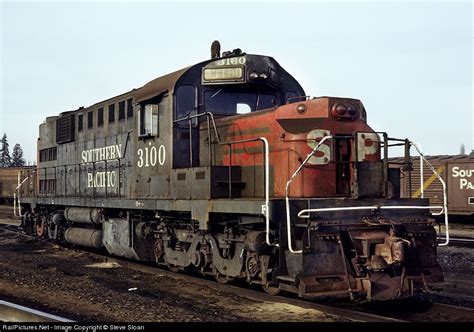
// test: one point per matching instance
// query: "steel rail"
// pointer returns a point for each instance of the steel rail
(11, 312)
(460, 241)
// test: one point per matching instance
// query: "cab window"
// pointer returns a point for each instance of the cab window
(220, 101)
(148, 120)
(185, 100)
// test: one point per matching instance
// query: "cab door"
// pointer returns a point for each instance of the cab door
(185, 132)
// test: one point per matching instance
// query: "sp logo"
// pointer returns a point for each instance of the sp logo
(367, 146)
(323, 155)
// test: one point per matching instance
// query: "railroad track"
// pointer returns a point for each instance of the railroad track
(349, 311)
(460, 241)
(11, 312)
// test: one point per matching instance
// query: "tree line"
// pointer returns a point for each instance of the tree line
(15, 159)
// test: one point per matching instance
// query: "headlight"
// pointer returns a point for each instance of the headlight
(344, 111)
(340, 109)
(352, 110)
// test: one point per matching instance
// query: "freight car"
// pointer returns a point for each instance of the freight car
(458, 173)
(10, 178)
(228, 168)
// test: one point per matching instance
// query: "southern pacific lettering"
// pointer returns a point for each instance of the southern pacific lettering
(465, 177)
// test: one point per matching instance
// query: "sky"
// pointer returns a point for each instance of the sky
(410, 63)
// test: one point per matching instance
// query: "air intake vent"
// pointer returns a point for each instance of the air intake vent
(65, 129)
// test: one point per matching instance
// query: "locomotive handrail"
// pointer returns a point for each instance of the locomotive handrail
(305, 213)
(207, 114)
(407, 145)
(296, 97)
(287, 200)
(16, 193)
(266, 207)
(422, 190)
(445, 199)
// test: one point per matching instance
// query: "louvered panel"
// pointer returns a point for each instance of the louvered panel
(65, 129)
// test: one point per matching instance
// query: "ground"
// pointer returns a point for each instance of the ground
(80, 287)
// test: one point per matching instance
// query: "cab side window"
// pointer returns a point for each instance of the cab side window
(148, 120)
(185, 101)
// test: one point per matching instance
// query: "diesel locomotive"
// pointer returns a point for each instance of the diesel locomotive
(227, 168)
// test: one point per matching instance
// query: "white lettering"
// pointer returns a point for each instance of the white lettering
(96, 154)
(463, 173)
(455, 172)
(140, 158)
(153, 156)
(464, 184)
(89, 180)
(89, 155)
(119, 150)
(146, 157)
(112, 176)
(102, 179)
(101, 154)
(149, 156)
(367, 146)
(231, 61)
(161, 155)
(322, 156)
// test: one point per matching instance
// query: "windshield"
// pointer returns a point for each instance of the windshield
(220, 101)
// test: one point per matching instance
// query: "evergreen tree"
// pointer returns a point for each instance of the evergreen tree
(17, 156)
(4, 152)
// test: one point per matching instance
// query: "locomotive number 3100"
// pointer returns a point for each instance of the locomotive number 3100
(149, 156)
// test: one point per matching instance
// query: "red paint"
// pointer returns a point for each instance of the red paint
(289, 145)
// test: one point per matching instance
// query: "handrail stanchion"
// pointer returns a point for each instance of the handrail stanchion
(14, 204)
(445, 198)
(17, 194)
(287, 199)
(267, 190)
(422, 189)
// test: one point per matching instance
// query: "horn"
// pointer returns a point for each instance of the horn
(215, 49)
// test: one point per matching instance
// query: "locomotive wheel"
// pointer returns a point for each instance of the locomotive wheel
(28, 224)
(40, 227)
(173, 268)
(221, 278)
(271, 290)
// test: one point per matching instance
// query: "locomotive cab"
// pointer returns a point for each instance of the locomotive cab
(237, 84)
